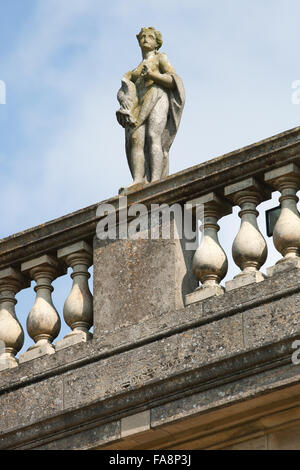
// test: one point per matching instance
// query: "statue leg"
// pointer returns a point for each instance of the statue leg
(137, 157)
(156, 124)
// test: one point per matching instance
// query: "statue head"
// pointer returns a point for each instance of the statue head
(150, 35)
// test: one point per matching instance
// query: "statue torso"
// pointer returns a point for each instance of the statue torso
(142, 84)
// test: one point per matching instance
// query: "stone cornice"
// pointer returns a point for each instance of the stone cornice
(255, 359)
(251, 370)
(155, 329)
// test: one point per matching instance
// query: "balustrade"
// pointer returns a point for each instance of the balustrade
(209, 264)
(43, 322)
(249, 249)
(286, 234)
(11, 331)
(78, 308)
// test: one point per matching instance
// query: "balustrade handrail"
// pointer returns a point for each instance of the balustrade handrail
(210, 176)
(245, 177)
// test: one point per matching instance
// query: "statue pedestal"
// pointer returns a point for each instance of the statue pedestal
(131, 189)
(137, 279)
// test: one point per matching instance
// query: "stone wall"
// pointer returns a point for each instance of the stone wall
(169, 365)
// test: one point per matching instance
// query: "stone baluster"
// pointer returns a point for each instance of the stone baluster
(11, 331)
(249, 249)
(78, 308)
(210, 261)
(286, 234)
(43, 322)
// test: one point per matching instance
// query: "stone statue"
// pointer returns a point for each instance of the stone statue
(152, 98)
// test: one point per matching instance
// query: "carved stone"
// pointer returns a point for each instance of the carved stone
(152, 98)
(249, 248)
(43, 322)
(78, 308)
(286, 234)
(210, 263)
(137, 279)
(11, 331)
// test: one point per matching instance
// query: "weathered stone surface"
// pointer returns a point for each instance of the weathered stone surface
(197, 342)
(222, 385)
(31, 404)
(203, 293)
(261, 293)
(176, 363)
(244, 388)
(135, 424)
(134, 279)
(72, 339)
(85, 440)
(153, 362)
(263, 324)
(32, 354)
(284, 265)
(155, 327)
(244, 280)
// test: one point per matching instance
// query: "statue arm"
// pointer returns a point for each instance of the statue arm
(128, 75)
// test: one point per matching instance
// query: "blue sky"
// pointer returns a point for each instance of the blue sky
(61, 147)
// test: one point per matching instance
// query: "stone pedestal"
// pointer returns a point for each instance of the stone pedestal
(135, 279)
(283, 265)
(203, 293)
(242, 280)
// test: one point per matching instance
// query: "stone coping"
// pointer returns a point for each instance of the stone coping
(211, 175)
(232, 381)
(160, 328)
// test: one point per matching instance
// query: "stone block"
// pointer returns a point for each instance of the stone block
(203, 293)
(7, 362)
(75, 248)
(244, 280)
(136, 423)
(86, 439)
(36, 352)
(289, 169)
(283, 265)
(138, 279)
(27, 405)
(73, 338)
(271, 322)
